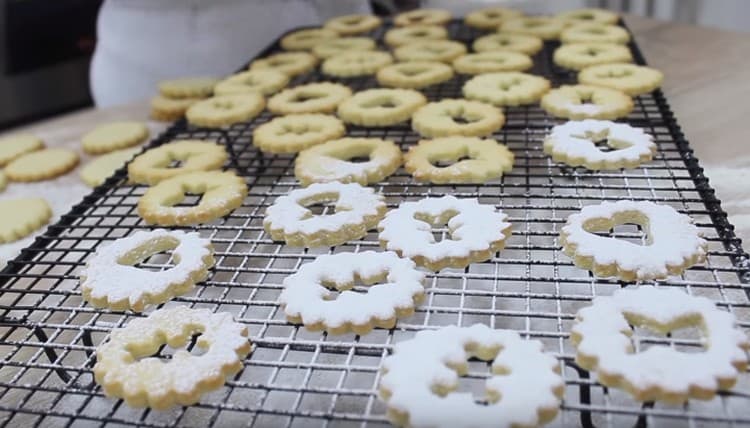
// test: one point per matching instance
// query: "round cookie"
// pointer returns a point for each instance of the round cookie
(521, 43)
(586, 102)
(304, 40)
(320, 97)
(506, 89)
(430, 50)
(188, 87)
(381, 107)
(41, 165)
(438, 119)
(422, 17)
(414, 74)
(331, 47)
(98, 170)
(224, 110)
(289, 63)
(265, 82)
(170, 109)
(20, 217)
(492, 61)
(347, 25)
(629, 78)
(295, 132)
(599, 16)
(402, 35)
(153, 166)
(114, 136)
(581, 55)
(543, 27)
(355, 63)
(490, 18)
(17, 145)
(595, 33)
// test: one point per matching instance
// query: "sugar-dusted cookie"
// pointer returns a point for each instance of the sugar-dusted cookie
(673, 242)
(347, 25)
(320, 97)
(355, 63)
(599, 16)
(223, 110)
(126, 369)
(20, 217)
(222, 193)
(587, 102)
(430, 50)
(289, 63)
(357, 210)
(17, 145)
(394, 287)
(414, 33)
(477, 231)
(593, 32)
(506, 89)
(98, 170)
(545, 27)
(490, 18)
(170, 109)
(603, 334)
(304, 40)
(265, 82)
(421, 377)
(41, 165)
(475, 160)
(188, 87)
(155, 164)
(422, 17)
(523, 43)
(492, 61)
(381, 107)
(110, 279)
(332, 161)
(574, 143)
(439, 119)
(295, 132)
(331, 47)
(581, 55)
(414, 74)
(629, 78)
(114, 136)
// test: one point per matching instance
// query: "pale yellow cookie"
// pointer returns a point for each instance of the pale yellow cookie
(304, 40)
(522, 43)
(289, 63)
(402, 35)
(430, 50)
(355, 63)
(265, 82)
(506, 89)
(600, 16)
(629, 78)
(155, 164)
(295, 132)
(414, 74)
(381, 107)
(20, 217)
(114, 136)
(490, 18)
(474, 160)
(581, 55)
(222, 193)
(223, 110)
(188, 87)
(332, 161)
(170, 109)
(587, 102)
(321, 97)
(98, 170)
(348, 25)
(438, 119)
(492, 61)
(544, 27)
(593, 32)
(17, 145)
(3, 180)
(422, 17)
(42, 165)
(331, 47)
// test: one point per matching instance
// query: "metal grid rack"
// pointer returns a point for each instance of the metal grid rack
(294, 377)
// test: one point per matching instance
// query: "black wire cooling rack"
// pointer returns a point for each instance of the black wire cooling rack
(48, 334)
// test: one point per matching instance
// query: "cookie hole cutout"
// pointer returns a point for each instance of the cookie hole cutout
(175, 163)
(411, 72)
(506, 86)
(381, 103)
(614, 74)
(297, 130)
(689, 340)
(602, 141)
(440, 230)
(474, 382)
(464, 120)
(443, 163)
(358, 285)
(359, 159)
(153, 256)
(635, 233)
(320, 205)
(167, 352)
(302, 97)
(189, 200)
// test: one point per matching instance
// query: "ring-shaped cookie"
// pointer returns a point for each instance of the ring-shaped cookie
(581, 55)
(422, 17)
(381, 106)
(289, 63)
(304, 40)
(490, 18)
(348, 25)
(154, 165)
(223, 110)
(295, 132)
(522, 43)
(394, 287)
(595, 33)
(222, 193)
(506, 89)
(577, 16)
(402, 35)
(321, 97)
(492, 62)
(420, 379)
(355, 63)
(673, 243)
(110, 279)
(266, 82)
(125, 368)
(439, 119)
(414, 74)
(332, 161)
(357, 210)
(480, 160)
(586, 102)
(477, 231)
(545, 27)
(332, 47)
(430, 50)
(603, 334)
(574, 143)
(629, 78)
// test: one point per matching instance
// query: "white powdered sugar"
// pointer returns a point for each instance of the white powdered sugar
(573, 140)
